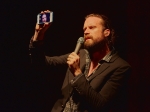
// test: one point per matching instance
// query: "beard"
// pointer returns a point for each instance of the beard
(94, 45)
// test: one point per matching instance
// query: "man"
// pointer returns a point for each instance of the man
(44, 19)
(96, 77)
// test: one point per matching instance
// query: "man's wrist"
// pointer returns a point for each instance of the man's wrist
(76, 78)
(77, 72)
(38, 36)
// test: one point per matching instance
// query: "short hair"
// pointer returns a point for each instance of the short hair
(107, 25)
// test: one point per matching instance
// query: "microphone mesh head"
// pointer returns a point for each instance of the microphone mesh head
(80, 40)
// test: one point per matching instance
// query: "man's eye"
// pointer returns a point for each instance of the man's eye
(91, 27)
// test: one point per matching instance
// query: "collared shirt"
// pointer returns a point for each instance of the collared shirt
(88, 62)
(72, 106)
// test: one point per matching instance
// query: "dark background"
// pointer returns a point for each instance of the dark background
(25, 90)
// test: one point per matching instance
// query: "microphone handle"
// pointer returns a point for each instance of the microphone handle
(78, 46)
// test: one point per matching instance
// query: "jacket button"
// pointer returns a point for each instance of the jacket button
(62, 106)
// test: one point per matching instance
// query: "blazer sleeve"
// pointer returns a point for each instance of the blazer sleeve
(38, 57)
(98, 100)
(57, 60)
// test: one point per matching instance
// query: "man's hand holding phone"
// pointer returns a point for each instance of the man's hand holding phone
(44, 20)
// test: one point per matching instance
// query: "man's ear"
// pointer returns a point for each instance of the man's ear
(106, 32)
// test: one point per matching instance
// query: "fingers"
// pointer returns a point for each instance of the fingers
(73, 58)
(46, 11)
(73, 62)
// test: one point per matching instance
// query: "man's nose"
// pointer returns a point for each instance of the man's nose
(86, 32)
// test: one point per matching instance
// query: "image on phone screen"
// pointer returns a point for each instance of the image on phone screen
(45, 17)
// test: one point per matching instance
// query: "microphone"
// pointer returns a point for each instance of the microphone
(79, 44)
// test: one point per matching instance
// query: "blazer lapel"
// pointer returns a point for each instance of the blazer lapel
(104, 66)
(101, 68)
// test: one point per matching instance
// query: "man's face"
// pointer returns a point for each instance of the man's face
(93, 32)
(44, 18)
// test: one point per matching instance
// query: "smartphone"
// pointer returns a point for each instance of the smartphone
(45, 17)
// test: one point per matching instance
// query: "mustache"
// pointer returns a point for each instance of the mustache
(88, 37)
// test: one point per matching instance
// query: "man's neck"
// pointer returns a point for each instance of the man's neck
(96, 57)
(99, 54)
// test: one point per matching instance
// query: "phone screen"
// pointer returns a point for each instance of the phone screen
(45, 17)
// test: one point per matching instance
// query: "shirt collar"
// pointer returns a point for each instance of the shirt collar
(107, 57)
